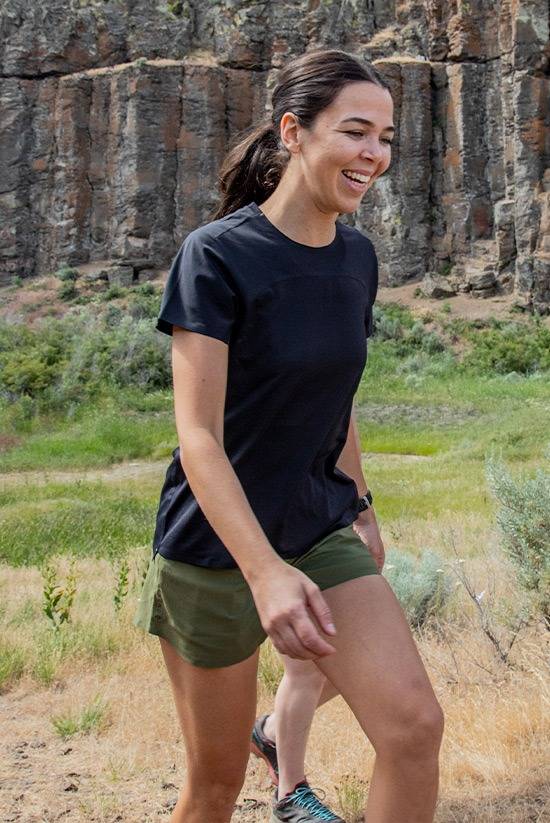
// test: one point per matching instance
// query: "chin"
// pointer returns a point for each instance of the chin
(348, 208)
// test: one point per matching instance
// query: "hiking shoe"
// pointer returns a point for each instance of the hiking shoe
(264, 748)
(302, 806)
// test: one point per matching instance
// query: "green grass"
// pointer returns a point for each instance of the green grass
(12, 664)
(100, 438)
(80, 519)
(92, 717)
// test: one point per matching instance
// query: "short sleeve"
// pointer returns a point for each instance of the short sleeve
(198, 294)
(373, 288)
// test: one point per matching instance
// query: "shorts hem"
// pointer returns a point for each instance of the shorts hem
(167, 632)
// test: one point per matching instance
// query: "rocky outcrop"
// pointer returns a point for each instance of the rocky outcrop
(116, 115)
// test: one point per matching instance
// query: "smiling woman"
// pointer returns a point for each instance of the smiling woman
(265, 525)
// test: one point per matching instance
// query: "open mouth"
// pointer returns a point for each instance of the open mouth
(356, 181)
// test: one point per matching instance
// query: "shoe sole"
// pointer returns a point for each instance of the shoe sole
(258, 753)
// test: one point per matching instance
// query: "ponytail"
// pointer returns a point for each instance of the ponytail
(252, 169)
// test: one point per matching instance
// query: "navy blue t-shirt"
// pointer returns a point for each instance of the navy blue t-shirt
(296, 319)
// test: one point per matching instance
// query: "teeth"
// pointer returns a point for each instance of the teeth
(353, 175)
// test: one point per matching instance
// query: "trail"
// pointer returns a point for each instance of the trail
(137, 469)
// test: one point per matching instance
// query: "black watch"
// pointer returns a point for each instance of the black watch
(365, 502)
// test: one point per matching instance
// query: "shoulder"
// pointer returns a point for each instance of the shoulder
(217, 233)
(358, 239)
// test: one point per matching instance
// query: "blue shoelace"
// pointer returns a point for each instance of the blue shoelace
(304, 797)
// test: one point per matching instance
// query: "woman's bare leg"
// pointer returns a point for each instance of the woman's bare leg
(378, 671)
(216, 709)
(295, 703)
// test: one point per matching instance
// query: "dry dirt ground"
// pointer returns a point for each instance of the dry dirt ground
(491, 761)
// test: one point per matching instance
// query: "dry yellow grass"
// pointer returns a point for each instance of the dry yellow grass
(496, 750)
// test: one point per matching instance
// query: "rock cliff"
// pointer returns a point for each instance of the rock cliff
(116, 114)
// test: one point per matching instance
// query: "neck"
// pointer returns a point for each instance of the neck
(297, 216)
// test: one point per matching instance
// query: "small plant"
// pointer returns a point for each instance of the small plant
(175, 7)
(446, 268)
(446, 308)
(58, 598)
(67, 274)
(418, 292)
(352, 794)
(502, 637)
(91, 718)
(147, 289)
(114, 292)
(121, 588)
(17, 281)
(421, 585)
(67, 290)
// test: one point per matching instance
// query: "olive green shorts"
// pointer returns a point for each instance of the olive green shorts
(209, 615)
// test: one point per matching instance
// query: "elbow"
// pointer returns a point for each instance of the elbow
(197, 442)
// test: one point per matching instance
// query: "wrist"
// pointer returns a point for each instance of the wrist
(367, 516)
(365, 501)
(265, 566)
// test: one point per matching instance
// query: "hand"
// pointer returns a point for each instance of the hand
(291, 609)
(366, 528)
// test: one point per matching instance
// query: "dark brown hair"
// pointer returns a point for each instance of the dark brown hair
(306, 85)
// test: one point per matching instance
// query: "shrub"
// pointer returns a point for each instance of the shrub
(524, 520)
(113, 292)
(396, 325)
(67, 290)
(30, 360)
(421, 585)
(67, 274)
(510, 347)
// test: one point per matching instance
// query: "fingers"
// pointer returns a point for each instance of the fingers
(309, 637)
(297, 635)
(286, 642)
(320, 609)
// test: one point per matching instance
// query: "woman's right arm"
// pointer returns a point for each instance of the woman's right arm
(286, 598)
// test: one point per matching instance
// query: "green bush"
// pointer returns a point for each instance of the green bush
(524, 520)
(67, 274)
(510, 347)
(67, 290)
(113, 292)
(64, 362)
(30, 360)
(397, 327)
(421, 584)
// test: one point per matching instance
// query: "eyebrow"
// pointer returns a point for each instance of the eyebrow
(366, 123)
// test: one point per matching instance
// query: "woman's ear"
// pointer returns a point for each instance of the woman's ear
(290, 132)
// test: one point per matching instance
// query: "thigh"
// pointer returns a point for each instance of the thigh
(377, 667)
(216, 708)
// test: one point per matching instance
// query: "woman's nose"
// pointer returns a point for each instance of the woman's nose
(372, 150)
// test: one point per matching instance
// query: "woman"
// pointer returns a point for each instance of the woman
(269, 306)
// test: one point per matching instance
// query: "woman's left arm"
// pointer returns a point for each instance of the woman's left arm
(365, 526)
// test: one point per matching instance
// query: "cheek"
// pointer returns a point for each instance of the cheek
(385, 163)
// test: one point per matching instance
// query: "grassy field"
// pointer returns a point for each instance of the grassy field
(90, 732)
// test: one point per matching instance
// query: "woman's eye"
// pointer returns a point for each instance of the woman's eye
(360, 134)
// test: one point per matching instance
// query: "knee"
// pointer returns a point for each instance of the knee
(217, 796)
(416, 733)
(304, 674)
